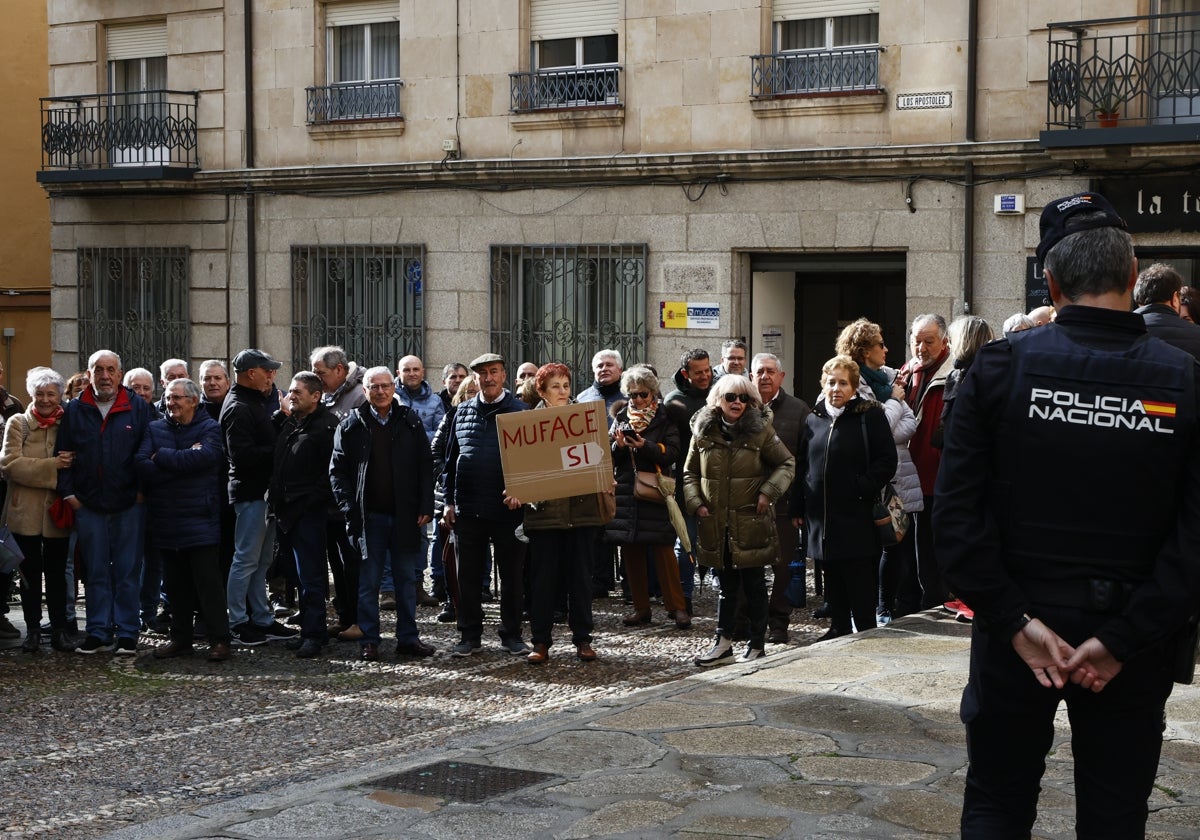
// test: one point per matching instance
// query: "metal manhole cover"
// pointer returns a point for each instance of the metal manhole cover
(459, 781)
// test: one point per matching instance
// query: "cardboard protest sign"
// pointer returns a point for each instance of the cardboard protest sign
(553, 453)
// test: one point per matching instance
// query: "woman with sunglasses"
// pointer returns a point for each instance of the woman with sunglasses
(736, 469)
(845, 458)
(645, 439)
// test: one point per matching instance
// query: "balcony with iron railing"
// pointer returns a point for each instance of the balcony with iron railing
(575, 87)
(1123, 80)
(844, 70)
(131, 136)
(354, 101)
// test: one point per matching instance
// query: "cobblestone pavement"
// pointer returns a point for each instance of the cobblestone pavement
(94, 743)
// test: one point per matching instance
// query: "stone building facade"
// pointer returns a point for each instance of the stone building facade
(546, 177)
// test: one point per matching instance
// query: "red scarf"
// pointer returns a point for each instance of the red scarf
(47, 422)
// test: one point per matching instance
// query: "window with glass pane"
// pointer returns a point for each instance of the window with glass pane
(365, 53)
(562, 303)
(137, 115)
(827, 33)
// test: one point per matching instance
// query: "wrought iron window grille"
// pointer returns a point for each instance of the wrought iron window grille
(575, 87)
(128, 129)
(347, 101)
(815, 71)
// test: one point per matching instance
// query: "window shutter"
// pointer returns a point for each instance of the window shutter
(808, 9)
(363, 11)
(137, 40)
(550, 19)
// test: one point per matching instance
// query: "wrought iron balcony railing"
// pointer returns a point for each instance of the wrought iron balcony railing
(1130, 72)
(150, 133)
(815, 71)
(347, 101)
(577, 87)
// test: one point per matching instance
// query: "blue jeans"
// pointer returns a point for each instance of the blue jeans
(109, 545)
(382, 547)
(253, 544)
(687, 568)
(307, 541)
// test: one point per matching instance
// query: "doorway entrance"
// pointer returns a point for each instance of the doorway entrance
(800, 302)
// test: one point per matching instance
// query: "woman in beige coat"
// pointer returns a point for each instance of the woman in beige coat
(736, 469)
(28, 461)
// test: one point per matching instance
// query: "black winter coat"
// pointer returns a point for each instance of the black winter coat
(838, 480)
(637, 521)
(249, 442)
(411, 468)
(182, 483)
(300, 481)
(474, 480)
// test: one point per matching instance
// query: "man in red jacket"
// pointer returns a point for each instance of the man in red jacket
(924, 375)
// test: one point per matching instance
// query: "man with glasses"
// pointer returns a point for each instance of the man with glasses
(733, 358)
(787, 416)
(476, 511)
(382, 475)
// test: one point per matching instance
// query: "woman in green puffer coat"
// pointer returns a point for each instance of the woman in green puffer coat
(736, 469)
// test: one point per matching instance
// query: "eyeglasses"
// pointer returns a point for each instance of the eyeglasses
(744, 399)
(382, 386)
(638, 395)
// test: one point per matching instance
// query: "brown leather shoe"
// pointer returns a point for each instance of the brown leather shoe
(682, 620)
(219, 652)
(635, 618)
(351, 634)
(172, 649)
(540, 654)
(424, 599)
(369, 653)
(585, 653)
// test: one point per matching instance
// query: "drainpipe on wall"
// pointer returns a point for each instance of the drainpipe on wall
(251, 204)
(968, 257)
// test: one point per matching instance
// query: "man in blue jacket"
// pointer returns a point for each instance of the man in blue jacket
(103, 429)
(476, 511)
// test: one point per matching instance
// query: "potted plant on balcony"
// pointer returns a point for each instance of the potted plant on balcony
(1108, 102)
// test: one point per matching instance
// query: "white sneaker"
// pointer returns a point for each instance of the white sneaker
(721, 653)
(751, 653)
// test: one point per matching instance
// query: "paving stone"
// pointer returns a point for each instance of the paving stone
(314, 819)
(747, 740)
(813, 670)
(921, 810)
(620, 817)
(810, 798)
(870, 771)
(837, 713)
(669, 715)
(482, 823)
(912, 687)
(625, 784)
(725, 770)
(575, 753)
(728, 826)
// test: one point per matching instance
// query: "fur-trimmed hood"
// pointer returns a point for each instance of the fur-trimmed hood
(708, 420)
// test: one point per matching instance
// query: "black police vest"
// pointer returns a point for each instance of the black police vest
(1090, 455)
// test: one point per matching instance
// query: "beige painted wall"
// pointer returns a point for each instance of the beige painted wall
(25, 210)
(686, 79)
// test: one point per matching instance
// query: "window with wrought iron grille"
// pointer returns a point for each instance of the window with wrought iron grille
(562, 303)
(134, 301)
(819, 53)
(362, 58)
(367, 299)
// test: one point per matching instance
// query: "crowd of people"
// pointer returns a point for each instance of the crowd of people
(374, 479)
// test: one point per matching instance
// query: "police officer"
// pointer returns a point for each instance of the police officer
(1081, 575)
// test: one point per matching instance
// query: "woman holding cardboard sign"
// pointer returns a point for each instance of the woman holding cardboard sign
(645, 442)
(561, 535)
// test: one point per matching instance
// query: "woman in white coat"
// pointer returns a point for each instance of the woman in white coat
(863, 342)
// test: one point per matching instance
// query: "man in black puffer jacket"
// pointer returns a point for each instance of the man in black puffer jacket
(476, 511)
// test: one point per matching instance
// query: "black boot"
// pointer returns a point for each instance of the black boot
(33, 640)
(63, 640)
(439, 589)
(447, 615)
